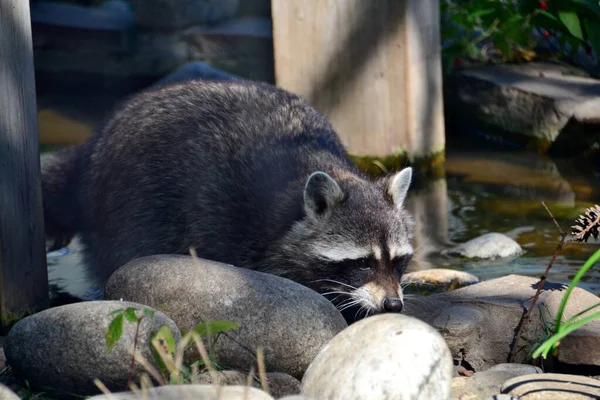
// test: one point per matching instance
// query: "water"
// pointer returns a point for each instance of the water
(486, 189)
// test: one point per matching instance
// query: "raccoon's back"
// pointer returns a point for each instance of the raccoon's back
(201, 164)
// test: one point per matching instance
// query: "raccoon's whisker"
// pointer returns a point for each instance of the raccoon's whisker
(337, 282)
(336, 297)
(334, 292)
(348, 305)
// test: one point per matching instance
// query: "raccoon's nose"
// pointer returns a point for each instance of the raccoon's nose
(391, 304)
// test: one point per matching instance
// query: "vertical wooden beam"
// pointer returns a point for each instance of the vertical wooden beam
(23, 271)
(372, 67)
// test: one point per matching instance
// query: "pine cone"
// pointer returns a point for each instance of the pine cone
(587, 225)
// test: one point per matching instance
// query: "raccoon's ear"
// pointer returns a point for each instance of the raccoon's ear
(397, 185)
(321, 193)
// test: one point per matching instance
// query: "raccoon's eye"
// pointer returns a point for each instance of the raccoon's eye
(401, 263)
(364, 264)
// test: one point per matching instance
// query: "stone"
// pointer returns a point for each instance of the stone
(7, 394)
(178, 14)
(279, 384)
(489, 246)
(290, 321)
(196, 392)
(64, 347)
(517, 369)
(481, 385)
(533, 102)
(478, 321)
(368, 360)
(438, 279)
(552, 386)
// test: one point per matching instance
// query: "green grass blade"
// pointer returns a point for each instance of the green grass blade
(552, 340)
(588, 264)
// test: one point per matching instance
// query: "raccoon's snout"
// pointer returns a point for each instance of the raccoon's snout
(393, 305)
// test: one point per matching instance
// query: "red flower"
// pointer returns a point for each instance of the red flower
(546, 34)
(543, 5)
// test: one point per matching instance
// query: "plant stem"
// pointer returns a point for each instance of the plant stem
(135, 342)
(527, 315)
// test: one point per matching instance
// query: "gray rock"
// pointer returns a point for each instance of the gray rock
(196, 392)
(368, 360)
(530, 100)
(552, 386)
(290, 321)
(177, 14)
(489, 246)
(517, 369)
(478, 321)
(502, 397)
(479, 386)
(7, 394)
(279, 384)
(65, 348)
(438, 279)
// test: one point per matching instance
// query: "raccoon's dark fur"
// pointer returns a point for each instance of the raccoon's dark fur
(246, 174)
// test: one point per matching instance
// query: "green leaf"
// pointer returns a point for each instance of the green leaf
(130, 315)
(119, 310)
(214, 327)
(571, 21)
(547, 14)
(115, 329)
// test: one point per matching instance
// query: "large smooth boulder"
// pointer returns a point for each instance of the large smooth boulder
(478, 322)
(387, 356)
(196, 392)
(289, 321)
(534, 103)
(65, 348)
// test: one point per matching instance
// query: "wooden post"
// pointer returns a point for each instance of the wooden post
(372, 67)
(23, 271)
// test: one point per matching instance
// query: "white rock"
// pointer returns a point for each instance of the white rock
(489, 246)
(196, 392)
(387, 356)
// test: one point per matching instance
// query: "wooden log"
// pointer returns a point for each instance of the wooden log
(372, 67)
(23, 270)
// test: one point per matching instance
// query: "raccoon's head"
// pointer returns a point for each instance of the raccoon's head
(354, 242)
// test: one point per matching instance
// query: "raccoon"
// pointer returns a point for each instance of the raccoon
(243, 172)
